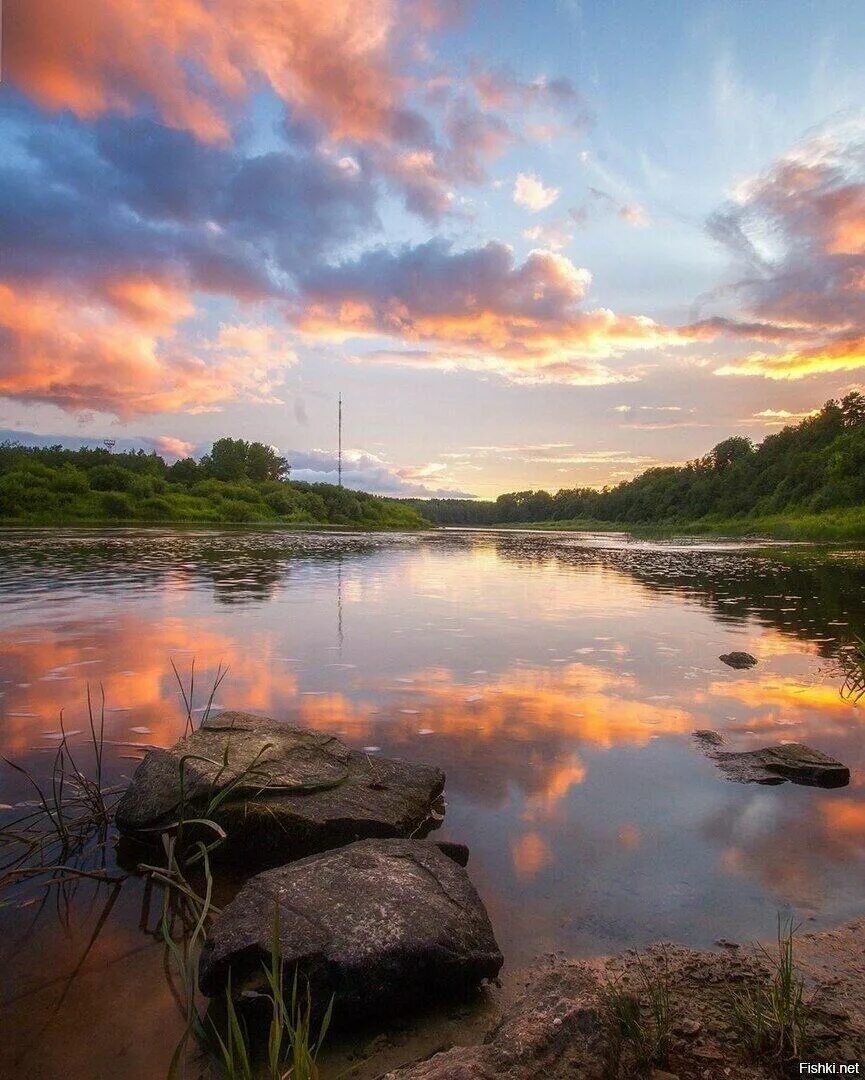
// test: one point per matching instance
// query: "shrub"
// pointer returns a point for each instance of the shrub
(116, 504)
(111, 478)
(156, 508)
(70, 480)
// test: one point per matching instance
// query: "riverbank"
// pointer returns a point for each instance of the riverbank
(831, 525)
(239, 483)
(558, 1018)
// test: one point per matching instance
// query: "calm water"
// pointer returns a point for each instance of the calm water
(555, 678)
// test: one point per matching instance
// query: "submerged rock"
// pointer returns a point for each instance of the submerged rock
(380, 924)
(739, 660)
(775, 764)
(279, 792)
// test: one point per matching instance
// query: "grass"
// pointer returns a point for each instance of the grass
(293, 1041)
(71, 817)
(188, 694)
(831, 525)
(771, 1017)
(638, 1024)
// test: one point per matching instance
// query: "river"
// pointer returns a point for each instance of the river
(556, 678)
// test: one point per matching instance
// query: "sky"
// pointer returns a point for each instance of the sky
(532, 245)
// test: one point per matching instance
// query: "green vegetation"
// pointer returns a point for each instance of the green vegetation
(640, 1022)
(238, 482)
(806, 481)
(771, 1017)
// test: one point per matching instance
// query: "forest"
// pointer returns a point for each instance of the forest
(236, 482)
(810, 468)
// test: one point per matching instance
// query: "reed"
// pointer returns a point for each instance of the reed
(293, 1041)
(73, 809)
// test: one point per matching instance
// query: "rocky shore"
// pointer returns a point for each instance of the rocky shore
(552, 1020)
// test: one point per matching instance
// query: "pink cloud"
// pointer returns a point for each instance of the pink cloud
(170, 447)
(799, 232)
(72, 351)
(533, 194)
(194, 58)
(478, 310)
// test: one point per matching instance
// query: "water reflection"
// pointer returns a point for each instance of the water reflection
(556, 683)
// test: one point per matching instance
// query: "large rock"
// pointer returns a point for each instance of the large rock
(380, 925)
(775, 764)
(279, 792)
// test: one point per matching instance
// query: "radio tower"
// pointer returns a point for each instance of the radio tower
(339, 456)
(109, 444)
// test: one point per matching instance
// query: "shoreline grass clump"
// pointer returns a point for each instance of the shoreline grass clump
(853, 663)
(638, 1023)
(771, 1016)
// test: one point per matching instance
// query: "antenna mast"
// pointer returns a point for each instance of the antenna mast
(339, 458)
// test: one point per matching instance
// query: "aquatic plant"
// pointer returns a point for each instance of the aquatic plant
(188, 694)
(292, 1044)
(853, 689)
(73, 811)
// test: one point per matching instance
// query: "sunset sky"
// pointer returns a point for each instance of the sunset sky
(533, 244)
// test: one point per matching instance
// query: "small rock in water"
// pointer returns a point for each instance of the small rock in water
(711, 738)
(739, 660)
(378, 924)
(775, 764)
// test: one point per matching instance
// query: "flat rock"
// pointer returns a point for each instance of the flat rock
(379, 924)
(775, 764)
(739, 660)
(283, 792)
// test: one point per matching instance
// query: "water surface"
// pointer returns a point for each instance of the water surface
(555, 678)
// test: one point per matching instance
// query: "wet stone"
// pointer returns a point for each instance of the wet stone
(379, 925)
(739, 660)
(279, 792)
(773, 765)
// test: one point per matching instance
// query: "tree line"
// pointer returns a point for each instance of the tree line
(238, 481)
(813, 466)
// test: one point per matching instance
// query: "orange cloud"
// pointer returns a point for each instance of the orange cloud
(845, 354)
(479, 310)
(131, 662)
(193, 59)
(126, 358)
(805, 293)
(845, 818)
